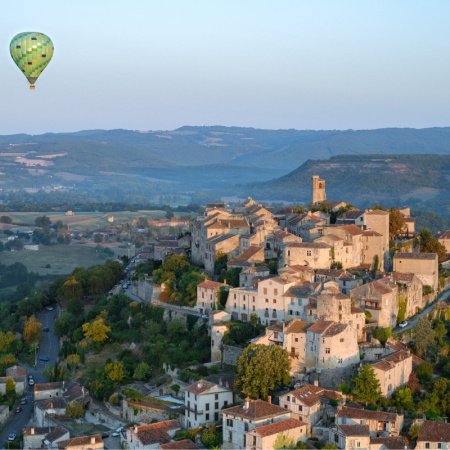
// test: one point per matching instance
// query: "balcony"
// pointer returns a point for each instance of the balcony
(373, 307)
(193, 410)
(295, 355)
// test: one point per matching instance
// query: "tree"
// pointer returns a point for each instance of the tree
(176, 328)
(403, 400)
(6, 361)
(382, 334)
(231, 276)
(423, 336)
(65, 324)
(175, 388)
(5, 219)
(142, 371)
(10, 388)
(96, 330)
(115, 372)
(414, 431)
(376, 265)
(75, 307)
(72, 361)
(42, 221)
(298, 209)
(440, 331)
(32, 331)
(366, 385)
(261, 369)
(71, 289)
(220, 263)
(74, 409)
(210, 437)
(413, 383)
(169, 214)
(424, 372)
(98, 238)
(429, 244)
(396, 222)
(283, 441)
(6, 339)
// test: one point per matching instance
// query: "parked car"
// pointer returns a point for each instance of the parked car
(128, 282)
(105, 435)
(117, 432)
(31, 382)
(49, 308)
(12, 437)
(121, 281)
(124, 286)
(44, 358)
(24, 401)
(45, 329)
(205, 316)
(403, 324)
(18, 410)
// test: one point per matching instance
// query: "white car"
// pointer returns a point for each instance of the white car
(403, 324)
(49, 308)
(12, 437)
(117, 432)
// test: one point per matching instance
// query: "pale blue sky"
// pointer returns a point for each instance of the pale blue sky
(148, 65)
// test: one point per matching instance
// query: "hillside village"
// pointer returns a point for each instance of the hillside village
(258, 328)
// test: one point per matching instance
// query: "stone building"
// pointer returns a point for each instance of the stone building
(444, 239)
(297, 300)
(424, 265)
(346, 280)
(4, 414)
(203, 402)
(264, 437)
(242, 303)
(380, 299)
(247, 276)
(433, 435)
(393, 371)
(207, 295)
(410, 292)
(149, 436)
(251, 256)
(373, 246)
(222, 244)
(34, 437)
(306, 225)
(309, 403)
(317, 255)
(275, 242)
(94, 442)
(318, 190)
(218, 330)
(303, 273)
(350, 436)
(377, 421)
(239, 420)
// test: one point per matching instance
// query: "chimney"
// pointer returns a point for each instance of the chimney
(92, 440)
(400, 356)
(316, 382)
(220, 382)
(227, 384)
(31, 430)
(247, 403)
(225, 281)
(82, 390)
(135, 429)
(269, 399)
(200, 384)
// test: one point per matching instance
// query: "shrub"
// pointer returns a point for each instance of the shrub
(213, 369)
(114, 398)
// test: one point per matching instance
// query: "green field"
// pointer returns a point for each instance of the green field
(62, 258)
(84, 220)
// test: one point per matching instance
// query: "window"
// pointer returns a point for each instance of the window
(225, 403)
(230, 436)
(344, 421)
(235, 306)
(267, 300)
(207, 417)
(289, 253)
(308, 252)
(275, 335)
(216, 397)
(274, 301)
(327, 350)
(300, 408)
(243, 307)
(246, 426)
(216, 405)
(253, 308)
(203, 295)
(265, 291)
(275, 292)
(296, 339)
(253, 298)
(229, 422)
(439, 445)
(288, 398)
(342, 339)
(427, 445)
(244, 297)
(234, 296)
(358, 444)
(340, 361)
(212, 342)
(207, 407)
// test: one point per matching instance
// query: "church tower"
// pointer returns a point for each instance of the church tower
(318, 189)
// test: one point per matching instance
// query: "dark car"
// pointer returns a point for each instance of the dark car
(46, 329)
(44, 358)
(18, 410)
(105, 435)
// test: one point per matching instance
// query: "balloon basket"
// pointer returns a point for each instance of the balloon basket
(32, 87)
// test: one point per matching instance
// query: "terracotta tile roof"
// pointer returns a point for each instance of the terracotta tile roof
(335, 329)
(51, 403)
(320, 326)
(389, 361)
(332, 203)
(390, 443)
(16, 371)
(257, 409)
(56, 433)
(308, 394)
(222, 237)
(155, 432)
(356, 310)
(378, 212)
(279, 427)
(445, 235)
(185, 444)
(402, 255)
(330, 237)
(298, 268)
(55, 385)
(247, 254)
(396, 346)
(434, 432)
(200, 387)
(281, 234)
(371, 233)
(352, 229)
(208, 284)
(402, 277)
(16, 378)
(275, 327)
(84, 441)
(353, 214)
(296, 326)
(302, 291)
(355, 430)
(346, 412)
(379, 287)
(308, 245)
(334, 273)
(256, 269)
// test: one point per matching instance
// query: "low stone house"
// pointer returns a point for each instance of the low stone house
(379, 422)
(184, 444)
(149, 436)
(309, 403)
(36, 437)
(317, 255)
(264, 438)
(410, 292)
(388, 443)
(346, 280)
(20, 383)
(223, 243)
(433, 435)
(146, 411)
(393, 371)
(82, 443)
(250, 273)
(303, 273)
(253, 255)
(350, 436)
(239, 420)
(444, 239)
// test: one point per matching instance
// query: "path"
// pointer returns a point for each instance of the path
(426, 311)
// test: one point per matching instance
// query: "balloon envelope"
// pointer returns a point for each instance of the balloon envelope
(31, 51)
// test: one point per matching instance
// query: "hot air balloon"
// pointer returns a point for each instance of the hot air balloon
(31, 52)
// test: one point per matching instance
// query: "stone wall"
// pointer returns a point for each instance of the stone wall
(145, 412)
(374, 352)
(231, 354)
(330, 378)
(142, 289)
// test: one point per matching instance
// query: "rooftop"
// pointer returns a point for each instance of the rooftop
(347, 412)
(355, 430)
(257, 409)
(403, 255)
(278, 427)
(155, 432)
(308, 245)
(185, 444)
(208, 284)
(201, 386)
(434, 432)
(445, 235)
(390, 443)
(83, 441)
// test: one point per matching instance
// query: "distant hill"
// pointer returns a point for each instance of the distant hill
(364, 180)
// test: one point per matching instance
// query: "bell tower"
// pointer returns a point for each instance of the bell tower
(318, 189)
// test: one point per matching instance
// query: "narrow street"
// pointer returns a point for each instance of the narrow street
(49, 347)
